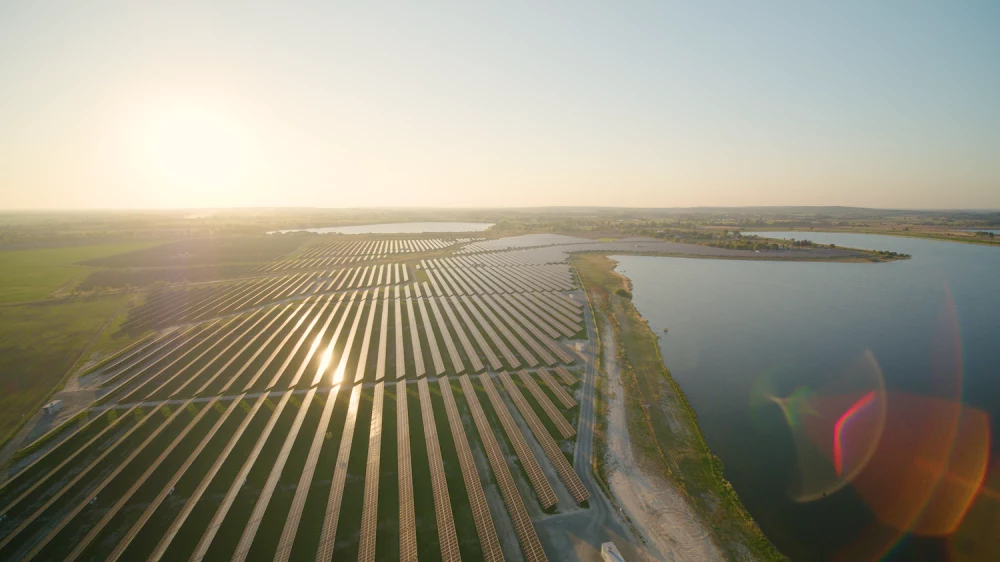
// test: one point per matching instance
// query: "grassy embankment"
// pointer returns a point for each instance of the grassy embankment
(662, 424)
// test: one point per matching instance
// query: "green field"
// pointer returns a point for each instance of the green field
(38, 345)
(29, 275)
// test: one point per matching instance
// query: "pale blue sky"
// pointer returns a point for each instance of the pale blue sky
(133, 104)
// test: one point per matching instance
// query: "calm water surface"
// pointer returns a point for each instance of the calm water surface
(399, 228)
(733, 323)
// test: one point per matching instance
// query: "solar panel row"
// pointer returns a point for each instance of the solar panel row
(377, 247)
(324, 553)
(167, 488)
(165, 541)
(418, 358)
(369, 511)
(291, 527)
(407, 518)
(552, 450)
(447, 538)
(491, 305)
(54, 530)
(477, 499)
(227, 501)
(560, 393)
(543, 490)
(565, 375)
(264, 498)
(530, 545)
(562, 426)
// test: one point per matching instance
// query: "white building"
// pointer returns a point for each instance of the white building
(52, 407)
(609, 552)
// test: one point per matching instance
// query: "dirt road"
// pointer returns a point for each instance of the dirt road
(659, 512)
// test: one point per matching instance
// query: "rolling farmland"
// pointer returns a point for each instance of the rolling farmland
(258, 418)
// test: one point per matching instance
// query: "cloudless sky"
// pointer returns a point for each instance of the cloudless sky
(178, 104)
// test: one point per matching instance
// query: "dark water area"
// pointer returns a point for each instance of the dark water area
(931, 324)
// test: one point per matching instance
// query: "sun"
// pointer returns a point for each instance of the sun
(197, 152)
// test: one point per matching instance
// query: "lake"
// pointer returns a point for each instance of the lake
(736, 327)
(397, 228)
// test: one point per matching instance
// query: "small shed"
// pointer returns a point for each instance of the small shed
(52, 407)
(609, 552)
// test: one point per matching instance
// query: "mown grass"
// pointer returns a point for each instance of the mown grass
(29, 275)
(661, 421)
(114, 338)
(39, 343)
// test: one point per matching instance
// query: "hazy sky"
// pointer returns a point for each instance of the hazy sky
(892, 104)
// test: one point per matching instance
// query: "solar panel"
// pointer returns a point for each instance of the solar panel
(94, 492)
(494, 337)
(543, 490)
(287, 540)
(442, 502)
(383, 339)
(565, 375)
(564, 428)
(369, 511)
(429, 334)
(418, 357)
(329, 533)
(470, 352)
(442, 324)
(264, 498)
(399, 349)
(518, 323)
(477, 499)
(485, 347)
(223, 507)
(407, 519)
(192, 501)
(367, 340)
(564, 397)
(530, 545)
(552, 450)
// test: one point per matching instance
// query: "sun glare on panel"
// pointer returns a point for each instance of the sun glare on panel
(324, 364)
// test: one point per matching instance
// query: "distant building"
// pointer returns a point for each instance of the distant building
(609, 552)
(52, 407)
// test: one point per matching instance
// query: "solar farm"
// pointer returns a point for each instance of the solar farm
(368, 398)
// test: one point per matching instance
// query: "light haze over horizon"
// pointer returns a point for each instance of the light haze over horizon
(520, 104)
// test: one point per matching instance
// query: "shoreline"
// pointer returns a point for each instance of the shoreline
(663, 428)
(941, 236)
(768, 258)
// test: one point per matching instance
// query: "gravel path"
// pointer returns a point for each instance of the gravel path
(670, 526)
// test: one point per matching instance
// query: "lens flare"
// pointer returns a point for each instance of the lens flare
(836, 427)
(916, 456)
(976, 537)
(926, 476)
(929, 466)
